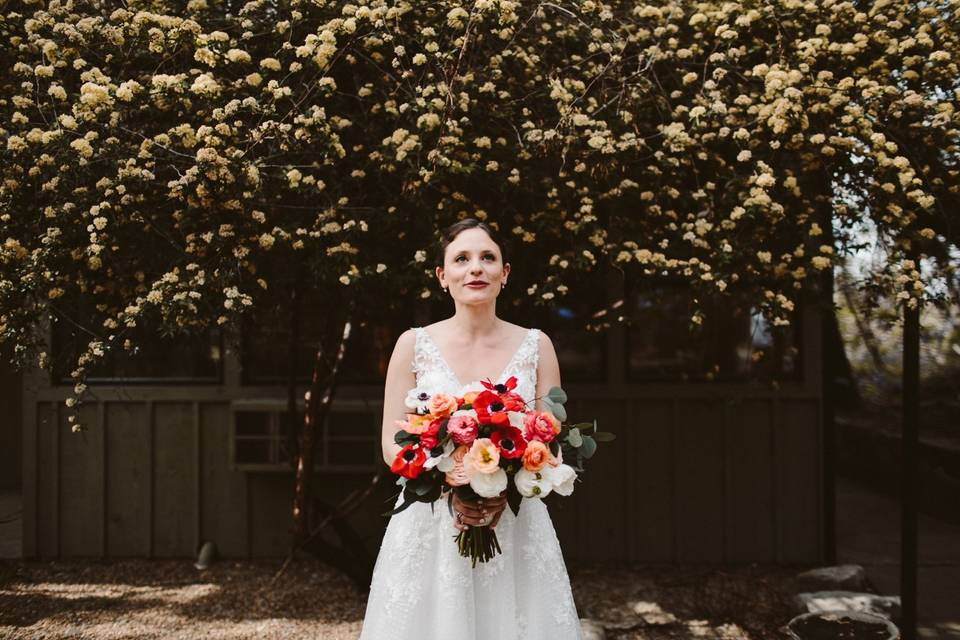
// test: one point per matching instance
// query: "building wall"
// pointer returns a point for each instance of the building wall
(11, 423)
(699, 473)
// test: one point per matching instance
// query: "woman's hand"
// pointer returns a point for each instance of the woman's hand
(484, 511)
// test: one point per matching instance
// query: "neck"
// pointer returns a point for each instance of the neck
(472, 321)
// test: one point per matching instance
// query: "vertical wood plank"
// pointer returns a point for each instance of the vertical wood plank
(55, 479)
(223, 490)
(269, 515)
(128, 479)
(102, 429)
(81, 502)
(173, 480)
(749, 478)
(30, 453)
(798, 487)
(651, 464)
(699, 478)
(46, 479)
(603, 520)
(197, 472)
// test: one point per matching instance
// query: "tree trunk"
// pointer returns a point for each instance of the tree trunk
(318, 401)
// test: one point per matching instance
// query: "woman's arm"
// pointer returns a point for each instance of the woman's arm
(548, 369)
(400, 379)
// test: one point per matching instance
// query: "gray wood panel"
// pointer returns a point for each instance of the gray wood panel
(649, 441)
(173, 482)
(81, 497)
(698, 477)
(270, 496)
(798, 478)
(749, 478)
(48, 468)
(604, 531)
(223, 495)
(128, 483)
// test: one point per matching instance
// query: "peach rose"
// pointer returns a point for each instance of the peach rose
(458, 475)
(536, 456)
(483, 457)
(540, 425)
(470, 396)
(442, 405)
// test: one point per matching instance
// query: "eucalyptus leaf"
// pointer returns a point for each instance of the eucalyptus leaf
(604, 436)
(559, 412)
(589, 446)
(574, 438)
(403, 438)
(583, 426)
(558, 395)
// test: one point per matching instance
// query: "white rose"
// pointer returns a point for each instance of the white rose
(561, 477)
(532, 484)
(489, 485)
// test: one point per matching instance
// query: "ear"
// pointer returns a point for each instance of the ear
(439, 272)
(506, 269)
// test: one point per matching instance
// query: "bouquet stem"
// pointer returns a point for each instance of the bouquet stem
(478, 543)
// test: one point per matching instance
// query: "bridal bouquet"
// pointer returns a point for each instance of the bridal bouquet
(484, 442)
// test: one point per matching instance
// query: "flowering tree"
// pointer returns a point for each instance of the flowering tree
(175, 164)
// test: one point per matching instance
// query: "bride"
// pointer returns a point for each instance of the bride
(422, 587)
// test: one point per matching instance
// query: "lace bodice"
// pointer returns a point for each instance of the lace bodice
(435, 375)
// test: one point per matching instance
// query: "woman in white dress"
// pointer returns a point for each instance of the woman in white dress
(422, 588)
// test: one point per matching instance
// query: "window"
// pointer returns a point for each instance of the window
(261, 436)
(155, 359)
(734, 343)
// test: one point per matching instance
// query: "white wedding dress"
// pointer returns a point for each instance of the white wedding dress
(423, 589)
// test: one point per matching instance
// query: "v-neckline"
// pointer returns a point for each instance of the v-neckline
(453, 374)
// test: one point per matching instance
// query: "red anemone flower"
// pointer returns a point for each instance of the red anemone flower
(409, 462)
(428, 438)
(491, 409)
(510, 441)
(503, 387)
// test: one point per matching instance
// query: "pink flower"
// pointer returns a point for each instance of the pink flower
(463, 429)
(540, 425)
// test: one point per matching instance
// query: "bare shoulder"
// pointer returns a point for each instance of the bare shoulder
(405, 343)
(545, 343)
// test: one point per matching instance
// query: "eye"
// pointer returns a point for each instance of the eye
(458, 258)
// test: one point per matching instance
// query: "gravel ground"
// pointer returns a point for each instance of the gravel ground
(235, 600)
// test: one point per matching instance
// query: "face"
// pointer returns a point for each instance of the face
(473, 268)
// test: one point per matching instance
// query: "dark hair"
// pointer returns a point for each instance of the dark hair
(449, 234)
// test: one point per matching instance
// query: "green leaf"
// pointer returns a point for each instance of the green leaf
(604, 436)
(583, 426)
(574, 438)
(558, 395)
(589, 447)
(559, 412)
(407, 501)
(514, 498)
(403, 438)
